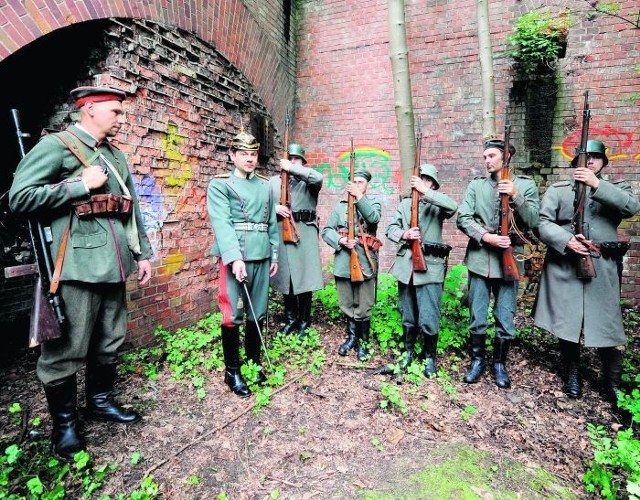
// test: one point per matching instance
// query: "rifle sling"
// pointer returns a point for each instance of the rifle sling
(366, 249)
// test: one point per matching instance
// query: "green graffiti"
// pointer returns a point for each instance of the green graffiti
(375, 160)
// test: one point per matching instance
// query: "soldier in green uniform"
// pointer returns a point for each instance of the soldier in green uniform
(594, 303)
(300, 269)
(420, 292)
(243, 217)
(356, 300)
(479, 219)
(102, 249)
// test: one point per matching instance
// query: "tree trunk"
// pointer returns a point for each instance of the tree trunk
(486, 72)
(402, 91)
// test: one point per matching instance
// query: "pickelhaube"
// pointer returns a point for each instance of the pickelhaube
(297, 150)
(594, 147)
(432, 172)
(245, 141)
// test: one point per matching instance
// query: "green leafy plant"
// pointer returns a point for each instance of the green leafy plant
(537, 40)
(454, 320)
(468, 411)
(392, 398)
(386, 322)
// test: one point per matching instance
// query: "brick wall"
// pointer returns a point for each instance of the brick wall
(345, 90)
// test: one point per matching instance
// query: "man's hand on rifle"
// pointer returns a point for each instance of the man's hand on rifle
(582, 246)
(94, 177)
(283, 211)
(506, 186)
(347, 243)
(144, 272)
(353, 189)
(411, 234)
(285, 164)
(496, 240)
(419, 185)
(586, 176)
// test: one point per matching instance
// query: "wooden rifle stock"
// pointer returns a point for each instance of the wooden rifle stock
(584, 266)
(355, 267)
(289, 232)
(509, 264)
(419, 264)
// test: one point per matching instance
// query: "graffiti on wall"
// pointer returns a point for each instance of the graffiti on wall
(621, 144)
(375, 160)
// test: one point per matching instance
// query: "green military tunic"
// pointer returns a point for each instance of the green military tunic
(434, 208)
(355, 299)
(567, 305)
(479, 213)
(243, 217)
(300, 267)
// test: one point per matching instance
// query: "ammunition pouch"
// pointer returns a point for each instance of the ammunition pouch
(304, 216)
(109, 204)
(436, 249)
(371, 241)
(615, 250)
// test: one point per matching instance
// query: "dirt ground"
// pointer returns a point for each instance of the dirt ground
(325, 435)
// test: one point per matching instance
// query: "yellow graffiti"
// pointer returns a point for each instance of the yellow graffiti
(172, 263)
(180, 171)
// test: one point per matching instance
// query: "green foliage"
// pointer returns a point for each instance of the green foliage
(454, 320)
(537, 40)
(616, 463)
(468, 411)
(386, 322)
(392, 398)
(327, 297)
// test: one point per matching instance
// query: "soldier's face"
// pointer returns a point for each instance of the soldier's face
(245, 161)
(296, 160)
(595, 163)
(493, 160)
(106, 118)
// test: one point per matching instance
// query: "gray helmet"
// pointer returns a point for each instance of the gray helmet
(297, 150)
(594, 147)
(432, 172)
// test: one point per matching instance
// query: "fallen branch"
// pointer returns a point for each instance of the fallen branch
(242, 412)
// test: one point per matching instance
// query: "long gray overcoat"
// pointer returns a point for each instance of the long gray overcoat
(565, 304)
(300, 267)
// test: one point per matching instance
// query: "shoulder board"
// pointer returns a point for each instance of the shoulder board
(522, 176)
(222, 176)
(479, 177)
(561, 183)
(113, 146)
(260, 176)
(343, 201)
(618, 181)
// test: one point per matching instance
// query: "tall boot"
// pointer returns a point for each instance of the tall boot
(291, 313)
(362, 339)
(253, 345)
(66, 439)
(304, 313)
(500, 351)
(478, 350)
(99, 383)
(231, 352)
(570, 353)
(430, 348)
(611, 358)
(350, 343)
(409, 334)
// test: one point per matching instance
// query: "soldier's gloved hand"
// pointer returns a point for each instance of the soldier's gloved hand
(239, 270)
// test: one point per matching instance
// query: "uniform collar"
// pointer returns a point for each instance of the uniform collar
(87, 138)
(242, 175)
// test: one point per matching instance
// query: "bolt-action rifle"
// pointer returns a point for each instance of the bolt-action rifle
(585, 267)
(509, 265)
(289, 230)
(47, 315)
(357, 275)
(419, 264)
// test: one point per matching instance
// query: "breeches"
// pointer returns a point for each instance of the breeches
(95, 330)
(232, 299)
(504, 307)
(356, 300)
(420, 306)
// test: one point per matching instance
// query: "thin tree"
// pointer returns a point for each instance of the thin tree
(486, 72)
(402, 90)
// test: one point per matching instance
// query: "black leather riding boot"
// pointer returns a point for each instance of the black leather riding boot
(362, 339)
(611, 358)
(231, 353)
(478, 350)
(409, 337)
(430, 348)
(66, 439)
(350, 343)
(291, 313)
(99, 384)
(304, 312)
(570, 353)
(500, 351)
(253, 346)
